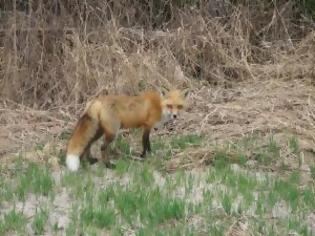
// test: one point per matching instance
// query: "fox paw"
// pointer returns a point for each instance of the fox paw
(110, 165)
(92, 160)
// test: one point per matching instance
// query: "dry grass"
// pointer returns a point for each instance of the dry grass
(250, 67)
(265, 108)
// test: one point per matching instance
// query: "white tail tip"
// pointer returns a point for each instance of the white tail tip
(73, 162)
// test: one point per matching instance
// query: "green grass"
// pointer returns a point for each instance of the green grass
(122, 166)
(72, 228)
(308, 196)
(13, 221)
(36, 179)
(122, 145)
(39, 221)
(145, 175)
(98, 216)
(184, 141)
(288, 191)
(293, 144)
(296, 225)
(79, 184)
(273, 147)
(158, 143)
(6, 192)
(141, 198)
(151, 205)
(226, 203)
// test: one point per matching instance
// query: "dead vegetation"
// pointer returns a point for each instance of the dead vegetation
(249, 64)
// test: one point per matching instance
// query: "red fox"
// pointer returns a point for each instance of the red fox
(107, 114)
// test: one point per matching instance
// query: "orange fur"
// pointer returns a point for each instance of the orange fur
(107, 114)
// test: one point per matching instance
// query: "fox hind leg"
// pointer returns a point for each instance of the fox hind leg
(87, 153)
(104, 150)
(110, 126)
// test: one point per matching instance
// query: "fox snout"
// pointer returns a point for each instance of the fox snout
(171, 115)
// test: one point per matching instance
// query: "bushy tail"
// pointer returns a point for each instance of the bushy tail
(84, 132)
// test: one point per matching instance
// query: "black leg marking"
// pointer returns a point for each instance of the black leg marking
(110, 165)
(103, 147)
(146, 143)
(149, 144)
(105, 155)
(92, 160)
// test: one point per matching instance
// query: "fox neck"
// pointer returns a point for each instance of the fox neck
(165, 117)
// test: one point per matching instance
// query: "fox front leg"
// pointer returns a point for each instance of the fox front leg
(146, 142)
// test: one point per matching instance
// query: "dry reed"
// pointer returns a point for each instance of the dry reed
(55, 55)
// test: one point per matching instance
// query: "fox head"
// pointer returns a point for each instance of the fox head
(173, 102)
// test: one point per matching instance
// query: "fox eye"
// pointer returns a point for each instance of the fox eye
(169, 106)
(180, 107)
